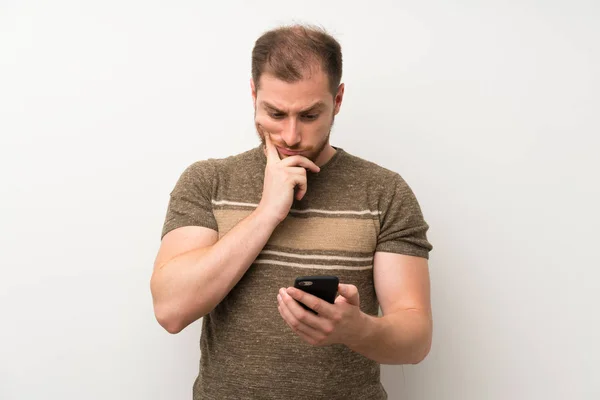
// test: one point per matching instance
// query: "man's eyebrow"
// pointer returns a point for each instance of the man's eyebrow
(318, 104)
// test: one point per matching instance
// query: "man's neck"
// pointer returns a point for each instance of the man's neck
(325, 155)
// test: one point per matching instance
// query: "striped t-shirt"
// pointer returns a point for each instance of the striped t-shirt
(352, 209)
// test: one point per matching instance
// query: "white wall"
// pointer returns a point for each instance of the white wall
(489, 112)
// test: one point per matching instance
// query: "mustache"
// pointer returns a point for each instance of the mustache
(262, 132)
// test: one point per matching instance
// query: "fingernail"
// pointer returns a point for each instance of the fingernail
(279, 298)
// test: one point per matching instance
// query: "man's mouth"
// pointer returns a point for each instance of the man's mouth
(288, 152)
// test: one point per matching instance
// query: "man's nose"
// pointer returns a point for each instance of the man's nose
(291, 133)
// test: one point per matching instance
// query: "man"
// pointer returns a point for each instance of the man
(239, 230)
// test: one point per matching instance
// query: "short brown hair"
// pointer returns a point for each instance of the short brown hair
(289, 52)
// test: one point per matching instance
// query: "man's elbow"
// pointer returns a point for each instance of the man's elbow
(422, 349)
(166, 311)
(173, 327)
(421, 354)
(174, 316)
(170, 321)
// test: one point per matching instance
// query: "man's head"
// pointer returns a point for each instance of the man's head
(296, 90)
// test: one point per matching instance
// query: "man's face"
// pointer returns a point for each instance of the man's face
(298, 115)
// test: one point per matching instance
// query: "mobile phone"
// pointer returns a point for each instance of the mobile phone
(323, 286)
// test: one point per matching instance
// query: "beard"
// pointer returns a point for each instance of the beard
(312, 153)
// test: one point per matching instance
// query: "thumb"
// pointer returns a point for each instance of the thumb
(350, 293)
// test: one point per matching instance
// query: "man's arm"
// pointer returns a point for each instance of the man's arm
(194, 269)
(403, 334)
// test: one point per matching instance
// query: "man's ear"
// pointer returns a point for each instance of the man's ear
(338, 98)
(253, 88)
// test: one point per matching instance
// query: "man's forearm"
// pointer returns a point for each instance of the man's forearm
(190, 285)
(403, 337)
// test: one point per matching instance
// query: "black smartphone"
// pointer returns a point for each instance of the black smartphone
(324, 287)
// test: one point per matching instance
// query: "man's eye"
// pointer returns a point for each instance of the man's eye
(310, 117)
(276, 115)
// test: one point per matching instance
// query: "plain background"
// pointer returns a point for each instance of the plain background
(489, 110)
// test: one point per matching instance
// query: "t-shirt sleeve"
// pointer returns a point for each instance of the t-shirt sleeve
(403, 228)
(190, 202)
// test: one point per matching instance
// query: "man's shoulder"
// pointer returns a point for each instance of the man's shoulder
(360, 168)
(240, 161)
